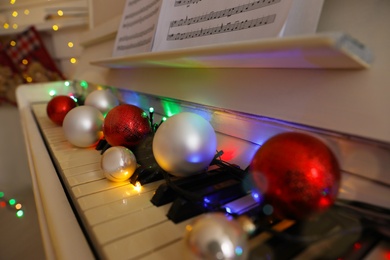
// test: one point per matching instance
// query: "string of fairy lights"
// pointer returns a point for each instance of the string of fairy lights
(11, 203)
(23, 14)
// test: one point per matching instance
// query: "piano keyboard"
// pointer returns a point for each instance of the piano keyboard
(120, 221)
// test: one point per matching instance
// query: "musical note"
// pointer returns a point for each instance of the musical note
(224, 28)
(141, 10)
(137, 35)
(133, 2)
(141, 19)
(186, 2)
(222, 13)
(134, 45)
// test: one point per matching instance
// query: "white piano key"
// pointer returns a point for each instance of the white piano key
(129, 224)
(82, 169)
(144, 242)
(85, 178)
(55, 138)
(63, 146)
(119, 208)
(175, 250)
(75, 161)
(96, 186)
(88, 155)
(105, 197)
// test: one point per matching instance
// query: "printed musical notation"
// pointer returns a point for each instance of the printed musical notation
(138, 27)
(191, 23)
(142, 9)
(222, 13)
(137, 35)
(224, 28)
(186, 2)
(141, 18)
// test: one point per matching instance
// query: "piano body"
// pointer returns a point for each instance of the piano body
(84, 216)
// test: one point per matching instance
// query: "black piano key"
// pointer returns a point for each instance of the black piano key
(330, 235)
(368, 240)
(166, 194)
(226, 191)
(146, 174)
(183, 209)
(163, 195)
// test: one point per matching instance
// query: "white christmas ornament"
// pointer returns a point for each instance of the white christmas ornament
(214, 236)
(118, 163)
(83, 126)
(184, 144)
(103, 100)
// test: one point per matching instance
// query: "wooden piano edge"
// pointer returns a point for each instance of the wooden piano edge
(51, 202)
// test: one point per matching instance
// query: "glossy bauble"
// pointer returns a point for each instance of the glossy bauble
(297, 174)
(118, 163)
(83, 126)
(103, 100)
(126, 125)
(184, 144)
(58, 107)
(215, 236)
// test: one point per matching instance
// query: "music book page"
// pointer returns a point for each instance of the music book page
(190, 23)
(137, 28)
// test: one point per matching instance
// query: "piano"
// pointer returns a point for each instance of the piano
(83, 215)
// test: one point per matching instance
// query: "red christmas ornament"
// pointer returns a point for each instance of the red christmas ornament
(297, 174)
(126, 125)
(58, 107)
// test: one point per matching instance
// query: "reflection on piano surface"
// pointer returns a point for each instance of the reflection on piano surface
(146, 218)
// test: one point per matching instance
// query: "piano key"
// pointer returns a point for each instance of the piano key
(82, 169)
(170, 251)
(105, 197)
(63, 146)
(139, 244)
(85, 178)
(96, 186)
(80, 158)
(74, 162)
(129, 224)
(118, 208)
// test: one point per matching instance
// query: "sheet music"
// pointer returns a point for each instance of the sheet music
(137, 28)
(189, 23)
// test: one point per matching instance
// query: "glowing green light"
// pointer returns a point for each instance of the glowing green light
(84, 84)
(52, 93)
(19, 213)
(151, 109)
(74, 98)
(12, 202)
(144, 115)
(67, 83)
(170, 108)
(1, 194)
(164, 119)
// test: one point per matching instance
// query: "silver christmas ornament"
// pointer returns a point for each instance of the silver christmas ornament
(103, 100)
(215, 236)
(118, 163)
(83, 126)
(184, 144)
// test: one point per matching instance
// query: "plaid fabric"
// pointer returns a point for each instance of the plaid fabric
(30, 48)
(26, 43)
(9, 78)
